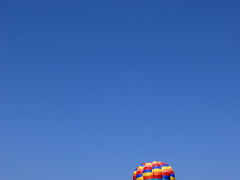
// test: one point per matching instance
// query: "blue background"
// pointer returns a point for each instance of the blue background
(90, 89)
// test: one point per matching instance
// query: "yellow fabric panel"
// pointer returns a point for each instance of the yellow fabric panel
(157, 170)
(164, 168)
(147, 174)
(140, 178)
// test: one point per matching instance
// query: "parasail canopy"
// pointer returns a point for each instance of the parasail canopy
(154, 171)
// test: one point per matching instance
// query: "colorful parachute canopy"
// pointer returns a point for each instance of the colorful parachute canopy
(154, 171)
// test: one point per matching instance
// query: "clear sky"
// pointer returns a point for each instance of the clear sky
(91, 89)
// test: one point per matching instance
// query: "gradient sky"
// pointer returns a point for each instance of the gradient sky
(91, 89)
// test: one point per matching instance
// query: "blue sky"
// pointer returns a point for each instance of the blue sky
(90, 89)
